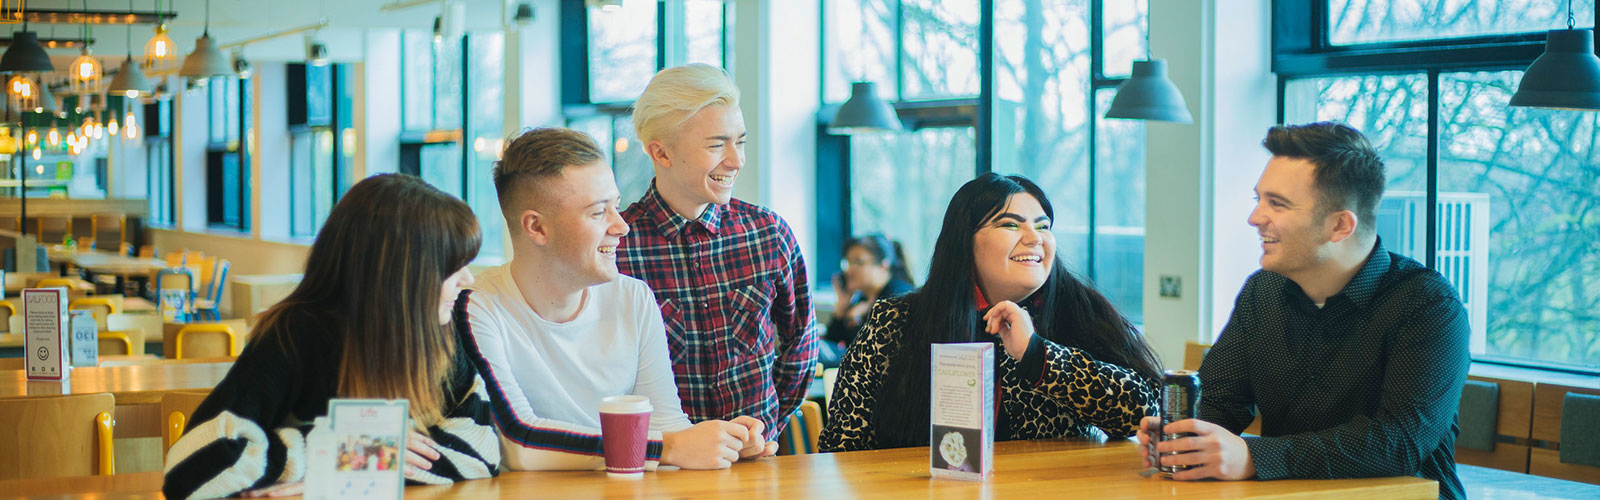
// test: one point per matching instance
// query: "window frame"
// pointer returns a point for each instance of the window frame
(576, 103)
(1301, 49)
(236, 120)
(834, 208)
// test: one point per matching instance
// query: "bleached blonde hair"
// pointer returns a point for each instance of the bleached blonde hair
(677, 93)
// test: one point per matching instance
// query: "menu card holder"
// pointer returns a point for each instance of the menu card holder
(358, 450)
(962, 411)
(44, 321)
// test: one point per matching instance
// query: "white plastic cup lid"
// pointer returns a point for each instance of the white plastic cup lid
(625, 404)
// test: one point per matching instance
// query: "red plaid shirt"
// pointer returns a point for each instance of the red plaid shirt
(733, 293)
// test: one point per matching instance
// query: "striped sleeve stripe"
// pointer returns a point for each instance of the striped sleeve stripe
(505, 418)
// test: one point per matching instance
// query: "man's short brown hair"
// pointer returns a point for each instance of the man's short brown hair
(538, 154)
(1349, 174)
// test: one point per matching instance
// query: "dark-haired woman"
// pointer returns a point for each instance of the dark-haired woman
(1068, 362)
(375, 316)
(874, 267)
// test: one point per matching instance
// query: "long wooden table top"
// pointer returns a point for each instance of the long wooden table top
(1055, 468)
(131, 385)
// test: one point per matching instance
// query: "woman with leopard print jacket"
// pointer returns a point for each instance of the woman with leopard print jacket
(1071, 362)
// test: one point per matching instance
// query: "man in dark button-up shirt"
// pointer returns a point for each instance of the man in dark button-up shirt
(1353, 356)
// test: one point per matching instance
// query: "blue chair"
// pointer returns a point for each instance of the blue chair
(178, 282)
(207, 306)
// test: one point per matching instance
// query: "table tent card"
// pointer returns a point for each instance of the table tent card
(358, 450)
(85, 339)
(44, 313)
(962, 411)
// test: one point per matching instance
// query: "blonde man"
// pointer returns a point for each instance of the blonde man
(728, 275)
(556, 329)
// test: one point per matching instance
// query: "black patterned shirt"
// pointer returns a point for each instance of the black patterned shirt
(1365, 386)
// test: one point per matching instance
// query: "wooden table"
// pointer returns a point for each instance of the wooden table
(1053, 468)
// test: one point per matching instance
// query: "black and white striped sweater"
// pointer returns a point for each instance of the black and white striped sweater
(250, 432)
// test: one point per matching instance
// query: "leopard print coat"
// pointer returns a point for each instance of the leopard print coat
(1075, 394)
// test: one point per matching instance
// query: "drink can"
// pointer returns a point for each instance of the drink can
(1180, 400)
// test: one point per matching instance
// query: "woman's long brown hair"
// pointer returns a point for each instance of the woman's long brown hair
(376, 270)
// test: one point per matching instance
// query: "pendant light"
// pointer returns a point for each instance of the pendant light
(1148, 94)
(1566, 76)
(864, 111)
(159, 53)
(47, 100)
(85, 71)
(206, 61)
(129, 80)
(25, 54)
(22, 92)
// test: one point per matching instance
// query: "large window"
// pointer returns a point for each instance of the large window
(320, 153)
(157, 125)
(1056, 65)
(453, 119)
(227, 157)
(623, 48)
(1497, 199)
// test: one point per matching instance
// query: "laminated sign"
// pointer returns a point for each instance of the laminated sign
(44, 321)
(962, 411)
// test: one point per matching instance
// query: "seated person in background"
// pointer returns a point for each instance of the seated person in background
(1086, 367)
(874, 267)
(1353, 356)
(556, 329)
(374, 317)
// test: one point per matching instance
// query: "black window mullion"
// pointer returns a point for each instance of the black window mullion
(983, 130)
(466, 119)
(1430, 254)
(661, 35)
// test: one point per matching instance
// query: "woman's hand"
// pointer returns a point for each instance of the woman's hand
(421, 451)
(1012, 324)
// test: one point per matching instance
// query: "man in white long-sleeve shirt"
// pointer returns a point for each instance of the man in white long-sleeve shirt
(557, 329)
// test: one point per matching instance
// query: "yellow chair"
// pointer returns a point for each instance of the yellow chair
(177, 406)
(174, 258)
(6, 312)
(800, 436)
(68, 283)
(204, 328)
(101, 307)
(123, 343)
(55, 429)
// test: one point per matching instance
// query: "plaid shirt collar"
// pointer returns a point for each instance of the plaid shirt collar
(670, 222)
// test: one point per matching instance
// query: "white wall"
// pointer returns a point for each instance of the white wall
(1245, 93)
(1196, 212)
(190, 133)
(377, 105)
(270, 153)
(775, 64)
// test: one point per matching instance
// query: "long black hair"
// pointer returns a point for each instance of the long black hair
(886, 251)
(944, 310)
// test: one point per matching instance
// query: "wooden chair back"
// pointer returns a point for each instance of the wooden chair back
(1513, 423)
(1549, 415)
(176, 407)
(6, 312)
(101, 307)
(56, 436)
(205, 340)
(122, 343)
